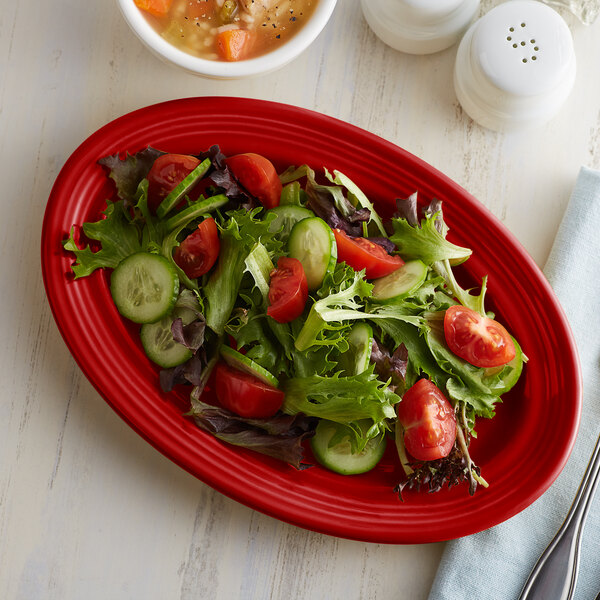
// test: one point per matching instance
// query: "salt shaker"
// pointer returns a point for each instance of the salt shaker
(420, 26)
(515, 67)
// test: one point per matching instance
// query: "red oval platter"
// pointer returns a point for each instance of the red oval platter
(521, 451)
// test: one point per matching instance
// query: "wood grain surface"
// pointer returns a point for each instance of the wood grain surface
(88, 510)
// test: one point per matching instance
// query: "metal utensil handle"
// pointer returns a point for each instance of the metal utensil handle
(555, 574)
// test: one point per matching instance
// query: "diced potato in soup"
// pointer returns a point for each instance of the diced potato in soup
(228, 30)
(255, 7)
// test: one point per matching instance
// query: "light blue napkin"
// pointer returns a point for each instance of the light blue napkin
(494, 564)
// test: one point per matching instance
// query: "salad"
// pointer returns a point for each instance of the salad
(307, 326)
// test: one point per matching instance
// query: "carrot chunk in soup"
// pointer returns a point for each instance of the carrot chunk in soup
(227, 29)
(158, 8)
(234, 44)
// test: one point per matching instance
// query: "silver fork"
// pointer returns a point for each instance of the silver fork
(555, 575)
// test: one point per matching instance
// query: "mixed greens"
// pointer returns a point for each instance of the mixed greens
(336, 368)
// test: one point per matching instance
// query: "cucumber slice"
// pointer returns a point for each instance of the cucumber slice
(401, 283)
(195, 210)
(290, 194)
(286, 217)
(312, 242)
(339, 458)
(238, 361)
(181, 189)
(158, 343)
(144, 287)
(510, 373)
(358, 356)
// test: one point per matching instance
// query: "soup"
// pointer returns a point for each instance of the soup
(227, 29)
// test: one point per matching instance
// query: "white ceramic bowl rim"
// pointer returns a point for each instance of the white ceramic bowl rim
(223, 69)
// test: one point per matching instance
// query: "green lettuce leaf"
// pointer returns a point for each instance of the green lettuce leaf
(420, 359)
(259, 265)
(251, 333)
(481, 402)
(319, 359)
(425, 242)
(336, 309)
(118, 236)
(346, 303)
(344, 400)
(465, 297)
(238, 236)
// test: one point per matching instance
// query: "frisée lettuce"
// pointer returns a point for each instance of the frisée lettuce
(223, 317)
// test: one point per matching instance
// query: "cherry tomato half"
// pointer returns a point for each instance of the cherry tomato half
(244, 394)
(477, 339)
(288, 291)
(360, 254)
(166, 173)
(428, 420)
(197, 254)
(258, 175)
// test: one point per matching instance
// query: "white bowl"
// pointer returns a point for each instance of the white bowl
(218, 69)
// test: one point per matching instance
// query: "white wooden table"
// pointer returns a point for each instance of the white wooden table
(87, 508)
